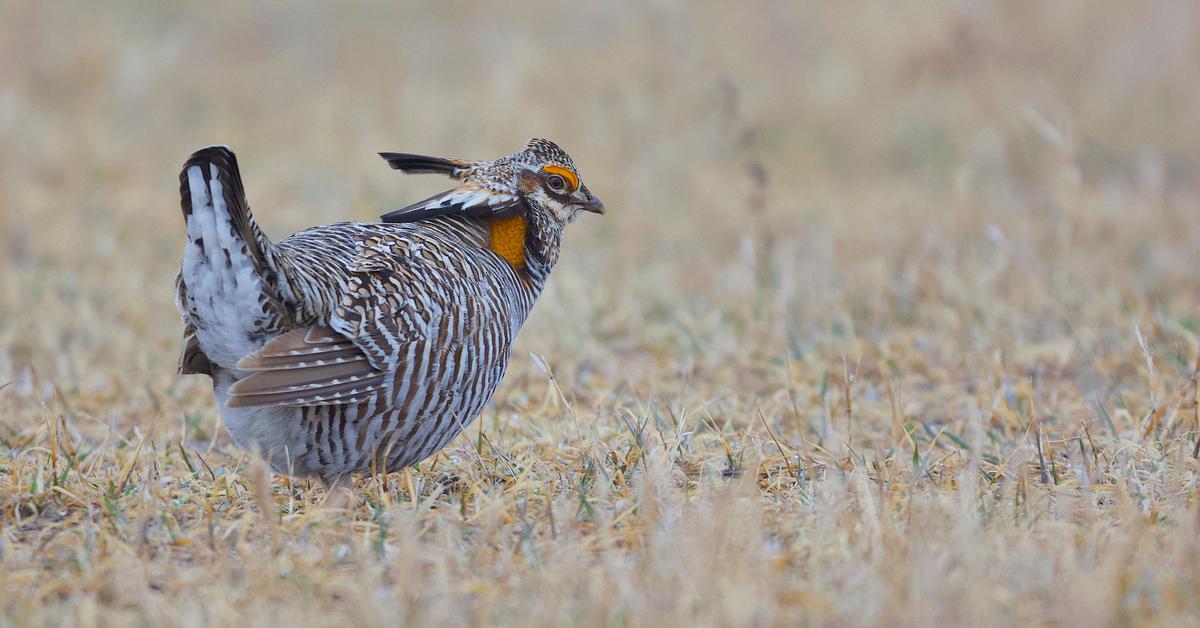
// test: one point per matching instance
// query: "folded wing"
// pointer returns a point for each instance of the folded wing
(383, 316)
(310, 366)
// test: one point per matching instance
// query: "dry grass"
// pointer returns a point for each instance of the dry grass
(893, 319)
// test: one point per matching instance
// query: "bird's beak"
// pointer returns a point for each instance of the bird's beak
(592, 204)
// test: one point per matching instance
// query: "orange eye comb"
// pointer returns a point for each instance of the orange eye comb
(564, 173)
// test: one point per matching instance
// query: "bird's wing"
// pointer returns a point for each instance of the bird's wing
(382, 320)
(309, 366)
(469, 199)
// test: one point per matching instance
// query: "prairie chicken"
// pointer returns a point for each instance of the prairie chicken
(362, 345)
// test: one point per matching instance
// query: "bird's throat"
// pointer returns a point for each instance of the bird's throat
(508, 239)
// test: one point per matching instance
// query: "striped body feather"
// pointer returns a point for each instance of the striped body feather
(349, 346)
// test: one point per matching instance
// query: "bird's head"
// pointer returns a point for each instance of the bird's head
(539, 182)
(547, 179)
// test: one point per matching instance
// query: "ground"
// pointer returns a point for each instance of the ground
(892, 319)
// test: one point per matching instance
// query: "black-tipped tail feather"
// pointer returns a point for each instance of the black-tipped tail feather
(219, 163)
(227, 287)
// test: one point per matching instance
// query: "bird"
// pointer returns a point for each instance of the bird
(359, 347)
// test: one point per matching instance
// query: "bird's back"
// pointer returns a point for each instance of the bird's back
(460, 307)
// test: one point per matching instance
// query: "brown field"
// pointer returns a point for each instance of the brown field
(893, 319)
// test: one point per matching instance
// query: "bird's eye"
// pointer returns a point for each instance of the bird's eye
(556, 183)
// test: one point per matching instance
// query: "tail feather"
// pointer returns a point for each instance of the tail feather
(218, 168)
(193, 359)
(228, 282)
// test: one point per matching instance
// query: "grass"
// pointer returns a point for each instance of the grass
(893, 318)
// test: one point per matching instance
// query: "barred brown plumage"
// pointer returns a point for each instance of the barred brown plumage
(358, 345)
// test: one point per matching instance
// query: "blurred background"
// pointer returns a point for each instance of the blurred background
(984, 176)
(931, 264)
